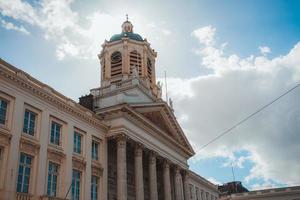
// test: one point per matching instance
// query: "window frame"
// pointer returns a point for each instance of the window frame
(95, 186)
(25, 166)
(53, 173)
(97, 142)
(79, 185)
(75, 147)
(6, 111)
(28, 125)
(60, 125)
(9, 110)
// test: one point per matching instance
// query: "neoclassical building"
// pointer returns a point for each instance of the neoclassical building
(122, 141)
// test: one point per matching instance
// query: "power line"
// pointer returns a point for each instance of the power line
(249, 116)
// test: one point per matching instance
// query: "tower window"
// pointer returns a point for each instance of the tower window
(149, 70)
(135, 61)
(103, 69)
(116, 64)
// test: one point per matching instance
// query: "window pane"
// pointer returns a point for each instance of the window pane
(24, 173)
(3, 108)
(77, 143)
(55, 133)
(52, 179)
(75, 184)
(29, 122)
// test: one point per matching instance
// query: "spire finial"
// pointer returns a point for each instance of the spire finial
(126, 17)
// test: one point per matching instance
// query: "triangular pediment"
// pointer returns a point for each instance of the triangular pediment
(161, 116)
(156, 118)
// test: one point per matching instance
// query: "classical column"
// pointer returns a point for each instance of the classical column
(121, 168)
(186, 185)
(138, 166)
(167, 183)
(178, 184)
(152, 176)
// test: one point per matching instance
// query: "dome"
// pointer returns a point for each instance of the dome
(130, 35)
(127, 31)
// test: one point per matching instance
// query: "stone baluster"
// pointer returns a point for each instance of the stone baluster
(152, 176)
(121, 168)
(167, 183)
(139, 184)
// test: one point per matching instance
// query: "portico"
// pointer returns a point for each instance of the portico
(132, 177)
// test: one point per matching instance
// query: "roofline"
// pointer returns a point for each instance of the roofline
(204, 181)
(81, 112)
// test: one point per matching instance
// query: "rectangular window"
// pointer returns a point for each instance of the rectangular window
(24, 173)
(95, 150)
(29, 122)
(55, 133)
(76, 184)
(52, 179)
(94, 188)
(77, 143)
(3, 109)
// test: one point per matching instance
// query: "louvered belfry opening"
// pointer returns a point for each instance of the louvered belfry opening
(116, 67)
(103, 69)
(149, 70)
(135, 61)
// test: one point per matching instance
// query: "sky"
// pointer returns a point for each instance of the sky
(224, 60)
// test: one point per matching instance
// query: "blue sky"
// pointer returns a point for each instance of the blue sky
(224, 59)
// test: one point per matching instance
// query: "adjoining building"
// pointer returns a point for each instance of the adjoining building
(232, 188)
(287, 193)
(123, 141)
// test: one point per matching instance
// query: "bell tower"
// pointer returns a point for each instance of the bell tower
(127, 61)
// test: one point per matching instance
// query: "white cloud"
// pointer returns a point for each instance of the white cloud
(11, 26)
(19, 10)
(166, 32)
(74, 35)
(205, 35)
(214, 181)
(264, 50)
(239, 86)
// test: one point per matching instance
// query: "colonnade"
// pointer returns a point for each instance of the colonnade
(180, 176)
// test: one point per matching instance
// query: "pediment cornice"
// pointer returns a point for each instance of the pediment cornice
(125, 110)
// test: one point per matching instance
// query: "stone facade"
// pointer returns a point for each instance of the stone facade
(126, 145)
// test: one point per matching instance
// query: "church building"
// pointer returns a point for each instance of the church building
(120, 142)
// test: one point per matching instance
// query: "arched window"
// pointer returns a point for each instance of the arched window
(149, 70)
(135, 61)
(116, 64)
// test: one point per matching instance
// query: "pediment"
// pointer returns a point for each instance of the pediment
(156, 118)
(161, 116)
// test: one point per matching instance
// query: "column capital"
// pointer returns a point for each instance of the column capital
(177, 169)
(138, 150)
(186, 174)
(152, 157)
(166, 163)
(121, 139)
